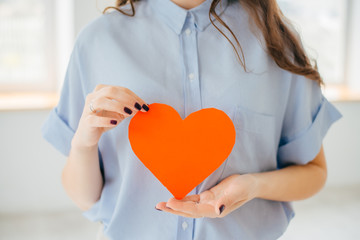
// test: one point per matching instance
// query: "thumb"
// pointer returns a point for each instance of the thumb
(223, 203)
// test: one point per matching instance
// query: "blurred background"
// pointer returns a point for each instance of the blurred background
(36, 39)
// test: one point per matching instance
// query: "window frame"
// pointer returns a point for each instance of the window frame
(59, 38)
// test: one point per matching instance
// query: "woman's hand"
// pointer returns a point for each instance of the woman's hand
(295, 182)
(104, 109)
(231, 193)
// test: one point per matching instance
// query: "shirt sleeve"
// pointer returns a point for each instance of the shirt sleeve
(61, 124)
(307, 118)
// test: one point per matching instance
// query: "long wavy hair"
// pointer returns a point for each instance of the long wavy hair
(282, 43)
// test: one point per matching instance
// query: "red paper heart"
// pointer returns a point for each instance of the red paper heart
(181, 153)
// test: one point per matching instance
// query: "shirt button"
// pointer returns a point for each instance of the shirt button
(184, 225)
(191, 76)
(188, 31)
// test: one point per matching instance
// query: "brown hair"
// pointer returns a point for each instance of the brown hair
(282, 44)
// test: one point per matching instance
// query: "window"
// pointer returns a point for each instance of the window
(37, 36)
(32, 46)
(24, 54)
(330, 35)
(321, 24)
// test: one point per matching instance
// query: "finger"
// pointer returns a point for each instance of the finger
(113, 115)
(192, 208)
(162, 206)
(194, 198)
(143, 104)
(125, 96)
(134, 102)
(99, 121)
(229, 208)
(100, 86)
(225, 202)
(103, 103)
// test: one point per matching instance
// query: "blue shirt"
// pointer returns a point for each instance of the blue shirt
(170, 55)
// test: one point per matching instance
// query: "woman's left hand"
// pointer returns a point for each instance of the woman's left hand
(217, 202)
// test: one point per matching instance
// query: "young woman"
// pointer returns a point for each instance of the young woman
(241, 57)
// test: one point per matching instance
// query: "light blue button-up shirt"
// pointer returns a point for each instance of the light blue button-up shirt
(170, 55)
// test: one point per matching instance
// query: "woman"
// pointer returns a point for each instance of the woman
(171, 52)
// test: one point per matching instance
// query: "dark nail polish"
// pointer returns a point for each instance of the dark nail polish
(145, 107)
(137, 106)
(158, 209)
(113, 122)
(127, 110)
(221, 208)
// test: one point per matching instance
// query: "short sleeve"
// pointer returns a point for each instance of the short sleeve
(61, 124)
(307, 118)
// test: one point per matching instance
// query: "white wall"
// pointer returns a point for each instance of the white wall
(30, 170)
(86, 10)
(342, 146)
(30, 173)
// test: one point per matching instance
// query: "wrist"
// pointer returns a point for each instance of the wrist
(79, 144)
(256, 185)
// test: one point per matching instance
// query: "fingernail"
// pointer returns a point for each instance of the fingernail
(158, 209)
(221, 208)
(137, 106)
(127, 110)
(113, 122)
(145, 107)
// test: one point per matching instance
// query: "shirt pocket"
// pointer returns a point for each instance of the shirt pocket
(255, 145)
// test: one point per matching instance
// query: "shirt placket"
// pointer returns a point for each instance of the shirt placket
(188, 38)
(192, 96)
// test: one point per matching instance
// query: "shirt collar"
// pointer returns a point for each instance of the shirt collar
(175, 15)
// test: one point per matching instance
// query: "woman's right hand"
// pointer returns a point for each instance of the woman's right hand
(111, 105)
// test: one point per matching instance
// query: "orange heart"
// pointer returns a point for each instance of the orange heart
(181, 153)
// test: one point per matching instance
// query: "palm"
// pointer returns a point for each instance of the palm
(208, 203)
(207, 197)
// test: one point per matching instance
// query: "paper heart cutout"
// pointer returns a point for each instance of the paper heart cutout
(181, 153)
